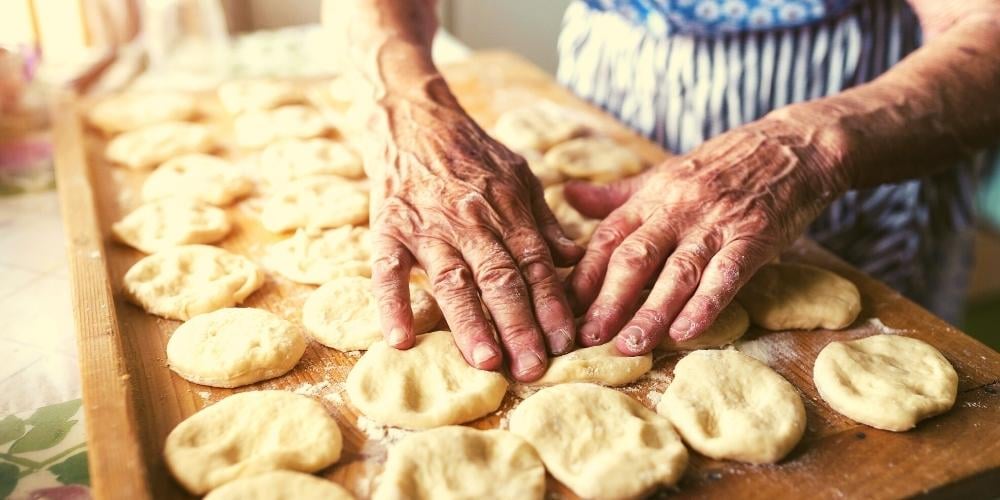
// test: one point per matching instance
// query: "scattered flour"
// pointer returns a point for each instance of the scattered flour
(654, 398)
(881, 327)
(523, 391)
(313, 390)
(379, 435)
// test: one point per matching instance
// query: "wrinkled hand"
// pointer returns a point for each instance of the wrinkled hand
(470, 212)
(695, 227)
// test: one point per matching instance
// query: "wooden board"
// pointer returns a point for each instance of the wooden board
(133, 400)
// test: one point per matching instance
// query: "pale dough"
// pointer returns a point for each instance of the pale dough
(256, 129)
(314, 256)
(234, 346)
(461, 463)
(577, 227)
(249, 434)
(257, 95)
(536, 128)
(729, 406)
(149, 146)
(280, 485)
(601, 364)
(315, 202)
(169, 223)
(428, 385)
(731, 323)
(886, 381)
(547, 174)
(599, 442)
(292, 159)
(343, 314)
(799, 297)
(594, 158)
(201, 177)
(182, 282)
(126, 112)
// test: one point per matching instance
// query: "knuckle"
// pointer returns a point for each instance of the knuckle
(685, 269)
(607, 237)
(387, 265)
(538, 273)
(452, 281)
(637, 253)
(498, 278)
(392, 304)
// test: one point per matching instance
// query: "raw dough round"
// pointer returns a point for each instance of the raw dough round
(601, 364)
(428, 385)
(292, 159)
(131, 111)
(149, 146)
(536, 128)
(315, 257)
(199, 176)
(343, 314)
(729, 406)
(889, 382)
(730, 325)
(594, 158)
(234, 346)
(280, 485)
(599, 442)
(800, 297)
(248, 434)
(547, 174)
(169, 223)
(316, 202)
(185, 281)
(456, 462)
(257, 129)
(577, 227)
(257, 95)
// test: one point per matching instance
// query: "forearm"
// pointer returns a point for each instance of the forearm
(935, 105)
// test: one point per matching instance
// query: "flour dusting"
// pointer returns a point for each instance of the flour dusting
(313, 390)
(382, 434)
(881, 327)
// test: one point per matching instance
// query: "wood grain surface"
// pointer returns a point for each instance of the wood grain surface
(133, 400)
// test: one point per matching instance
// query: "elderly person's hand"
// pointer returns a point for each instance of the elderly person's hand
(695, 228)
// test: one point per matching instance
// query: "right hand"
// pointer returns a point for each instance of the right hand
(468, 211)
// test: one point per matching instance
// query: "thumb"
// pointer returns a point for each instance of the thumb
(598, 200)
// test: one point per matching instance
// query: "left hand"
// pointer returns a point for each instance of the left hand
(697, 227)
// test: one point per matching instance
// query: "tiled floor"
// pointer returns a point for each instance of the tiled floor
(37, 345)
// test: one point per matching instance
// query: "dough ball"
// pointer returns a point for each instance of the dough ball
(149, 146)
(280, 485)
(577, 227)
(293, 159)
(601, 364)
(249, 434)
(547, 174)
(314, 257)
(316, 202)
(594, 158)
(729, 406)
(599, 442)
(800, 297)
(456, 462)
(182, 282)
(126, 112)
(428, 385)
(202, 177)
(343, 314)
(536, 128)
(257, 95)
(886, 381)
(164, 224)
(234, 346)
(256, 129)
(730, 325)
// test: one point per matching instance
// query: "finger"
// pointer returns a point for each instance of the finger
(633, 264)
(585, 281)
(391, 287)
(456, 294)
(725, 274)
(676, 283)
(598, 200)
(548, 298)
(506, 297)
(565, 252)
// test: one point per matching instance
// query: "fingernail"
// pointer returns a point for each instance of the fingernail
(590, 332)
(681, 329)
(560, 341)
(483, 353)
(527, 361)
(397, 336)
(634, 338)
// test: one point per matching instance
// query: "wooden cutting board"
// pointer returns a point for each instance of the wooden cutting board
(133, 400)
